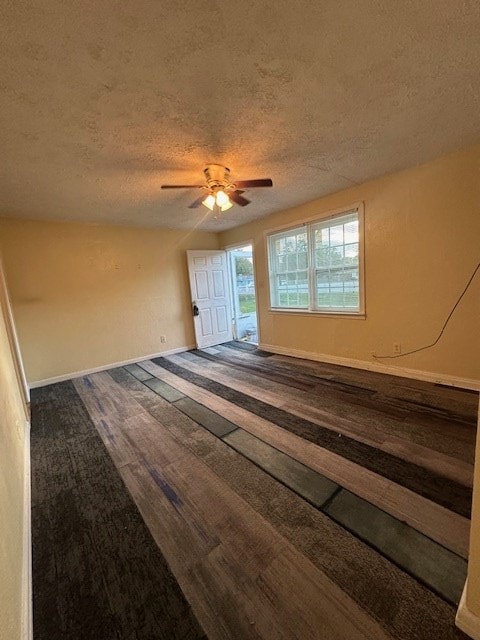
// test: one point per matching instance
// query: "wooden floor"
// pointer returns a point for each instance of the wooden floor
(294, 499)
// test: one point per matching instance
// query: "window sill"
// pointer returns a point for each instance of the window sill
(323, 314)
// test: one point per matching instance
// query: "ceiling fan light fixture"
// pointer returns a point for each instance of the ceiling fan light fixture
(222, 199)
(209, 202)
(221, 193)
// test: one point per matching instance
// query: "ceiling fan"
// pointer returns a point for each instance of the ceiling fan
(219, 192)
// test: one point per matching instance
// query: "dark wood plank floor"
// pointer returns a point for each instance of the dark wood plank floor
(97, 572)
(293, 499)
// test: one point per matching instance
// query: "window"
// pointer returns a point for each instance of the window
(316, 266)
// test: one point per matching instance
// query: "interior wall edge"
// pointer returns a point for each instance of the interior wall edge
(415, 374)
(465, 620)
(6, 306)
(78, 374)
(15, 583)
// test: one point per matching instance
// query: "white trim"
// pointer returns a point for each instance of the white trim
(105, 367)
(331, 213)
(232, 247)
(255, 286)
(325, 314)
(27, 606)
(416, 374)
(465, 620)
(238, 245)
(6, 309)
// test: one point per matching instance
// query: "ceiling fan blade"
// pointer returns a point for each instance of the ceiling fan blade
(196, 203)
(236, 197)
(182, 186)
(263, 182)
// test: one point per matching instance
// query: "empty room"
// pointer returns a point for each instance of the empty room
(239, 328)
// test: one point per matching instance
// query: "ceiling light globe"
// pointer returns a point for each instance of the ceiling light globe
(209, 202)
(222, 199)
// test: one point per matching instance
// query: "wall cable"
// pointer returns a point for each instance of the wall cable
(428, 346)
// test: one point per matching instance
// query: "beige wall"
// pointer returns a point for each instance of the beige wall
(86, 296)
(422, 230)
(13, 426)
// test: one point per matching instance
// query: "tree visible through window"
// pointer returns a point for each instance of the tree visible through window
(316, 266)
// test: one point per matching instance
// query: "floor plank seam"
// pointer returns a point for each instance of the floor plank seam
(331, 498)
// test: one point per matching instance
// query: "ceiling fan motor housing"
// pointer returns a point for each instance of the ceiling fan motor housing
(217, 177)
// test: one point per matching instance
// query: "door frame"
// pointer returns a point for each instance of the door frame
(239, 245)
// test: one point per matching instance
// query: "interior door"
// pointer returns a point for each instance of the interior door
(209, 286)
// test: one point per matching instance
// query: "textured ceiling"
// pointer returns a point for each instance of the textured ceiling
(104, 101)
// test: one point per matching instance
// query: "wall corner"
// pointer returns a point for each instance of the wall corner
(465, 620)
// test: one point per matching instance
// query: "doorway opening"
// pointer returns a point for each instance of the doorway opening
(244, 299)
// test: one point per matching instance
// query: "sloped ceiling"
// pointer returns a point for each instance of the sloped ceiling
(104, 101)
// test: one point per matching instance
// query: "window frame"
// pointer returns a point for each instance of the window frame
(312, 309)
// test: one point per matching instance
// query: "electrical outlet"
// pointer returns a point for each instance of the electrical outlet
(397, 348)
(163, 338)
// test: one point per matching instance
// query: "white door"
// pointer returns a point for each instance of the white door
(209, 286)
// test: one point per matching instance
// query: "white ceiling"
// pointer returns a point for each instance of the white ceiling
(104, 101)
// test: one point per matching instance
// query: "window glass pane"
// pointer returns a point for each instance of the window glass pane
(350, 275)
(291, 261)
(335, 252)
(350, 230)
(336, 262)
(302, 260)
(338, 288)
(336, 275)
(351, 251)
(336, 256)
(302, 242)
(321, 257)
(336, 235)
(288, 263)
(303, 299)
(293, 299)
(323, 276)
(303, 278)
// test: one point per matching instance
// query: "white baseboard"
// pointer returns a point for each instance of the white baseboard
(27, 605)
(465, 620)
(105, 367)
(416, 374)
